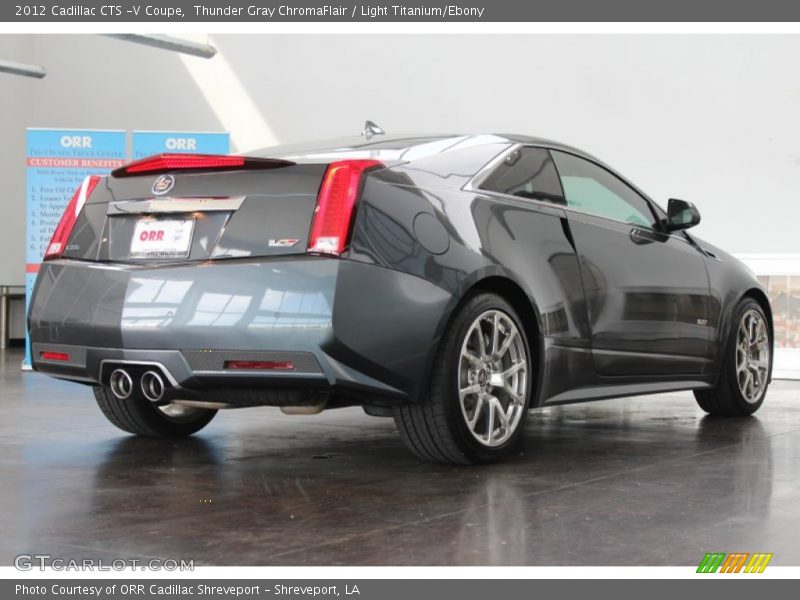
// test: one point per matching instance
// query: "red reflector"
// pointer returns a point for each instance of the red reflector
(164, 163)
(65, 226)
(263, 365)
(62, 356)
(335, 204)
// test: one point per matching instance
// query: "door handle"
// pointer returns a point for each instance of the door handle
(639, 236)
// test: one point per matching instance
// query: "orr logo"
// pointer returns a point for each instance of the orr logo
(76, 141)
(180, 144)
(736, 562)
(153, 235)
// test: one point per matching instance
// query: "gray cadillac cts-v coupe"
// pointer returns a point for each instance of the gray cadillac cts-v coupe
(452, 282)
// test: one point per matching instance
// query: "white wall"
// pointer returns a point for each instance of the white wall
(713, 119)
(15, 104)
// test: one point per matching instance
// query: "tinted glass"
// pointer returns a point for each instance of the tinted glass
(591, 189)
(527, 173)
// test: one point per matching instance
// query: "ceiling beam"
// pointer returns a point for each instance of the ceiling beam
(168, 42)
(15, 68)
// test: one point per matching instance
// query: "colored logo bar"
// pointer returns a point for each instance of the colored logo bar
(736, 562)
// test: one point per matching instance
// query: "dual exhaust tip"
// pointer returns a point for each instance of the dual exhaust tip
(151, 384)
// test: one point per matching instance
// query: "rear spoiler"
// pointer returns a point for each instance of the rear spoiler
(170, 163)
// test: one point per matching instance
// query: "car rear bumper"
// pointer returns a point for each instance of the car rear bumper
(198, 375)
(349, 330)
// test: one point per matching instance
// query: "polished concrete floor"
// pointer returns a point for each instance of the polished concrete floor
(640, 481)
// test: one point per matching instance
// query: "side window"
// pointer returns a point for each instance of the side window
(527, 173)
(591, 189)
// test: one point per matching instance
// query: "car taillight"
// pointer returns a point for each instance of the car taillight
(65, 226)
(164, 163)
(335, 204)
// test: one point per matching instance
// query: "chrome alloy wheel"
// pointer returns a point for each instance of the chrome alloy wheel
(752, 356)
(492, 378)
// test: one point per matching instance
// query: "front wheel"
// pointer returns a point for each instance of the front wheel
(745, 372)
(479, 389)
(141, 417)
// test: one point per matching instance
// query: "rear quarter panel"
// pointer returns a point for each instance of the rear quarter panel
(455, 239)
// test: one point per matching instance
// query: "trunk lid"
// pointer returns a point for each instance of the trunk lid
(192, 216)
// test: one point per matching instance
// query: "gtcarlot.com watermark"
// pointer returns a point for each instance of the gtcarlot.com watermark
(30, 562)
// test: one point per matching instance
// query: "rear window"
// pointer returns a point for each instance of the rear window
(392, 150)
(356, 146)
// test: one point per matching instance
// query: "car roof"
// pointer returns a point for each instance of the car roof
(400, 147)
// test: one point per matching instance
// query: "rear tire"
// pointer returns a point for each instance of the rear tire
(479, 389)
(141, 417)
(746, 365)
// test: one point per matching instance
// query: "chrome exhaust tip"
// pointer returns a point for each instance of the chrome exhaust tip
(153, 386)
(121, 384)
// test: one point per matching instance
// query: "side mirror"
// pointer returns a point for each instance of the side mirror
(681, 215)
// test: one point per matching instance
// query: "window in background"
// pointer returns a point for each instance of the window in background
(784, 297)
